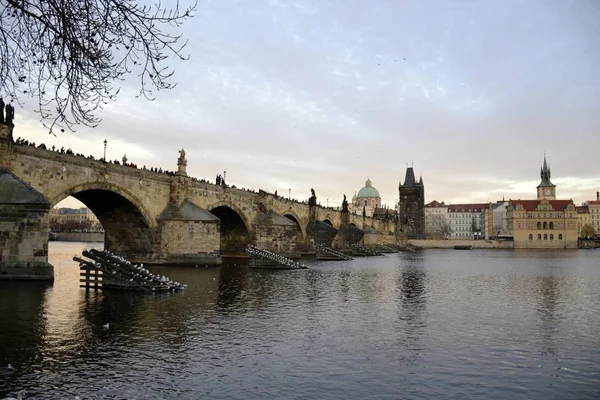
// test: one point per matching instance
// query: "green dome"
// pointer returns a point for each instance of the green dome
(367, 191)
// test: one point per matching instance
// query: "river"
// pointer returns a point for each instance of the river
(480, 324)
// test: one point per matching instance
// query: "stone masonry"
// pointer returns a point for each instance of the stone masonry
(131, 204)
(23, 231)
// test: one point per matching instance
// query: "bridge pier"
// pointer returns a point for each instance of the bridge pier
(276, 233)
(24, 231)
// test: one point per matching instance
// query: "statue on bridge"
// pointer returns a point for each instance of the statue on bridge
(345, 204)
(312, 201)
(1, 110)
(181, 160)
(10, 114)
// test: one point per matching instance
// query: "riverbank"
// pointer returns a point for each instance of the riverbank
(449, 244)
(79, 237)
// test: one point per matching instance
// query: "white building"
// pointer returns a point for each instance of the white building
(436, 220)
(466, 221)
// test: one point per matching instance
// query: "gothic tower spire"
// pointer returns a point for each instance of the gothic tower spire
(546, 189)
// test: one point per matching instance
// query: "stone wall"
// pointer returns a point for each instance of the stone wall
(79, 237)
(189, 241)
(278, 238)
(24, 242)
(387, 240)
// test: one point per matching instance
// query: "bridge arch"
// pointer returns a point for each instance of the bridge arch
(127, 225)
(235, 228)
(292, 216)
(328, 222)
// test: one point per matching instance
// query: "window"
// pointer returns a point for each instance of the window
(560, 236)
(545, 225)
(530, 236)
(539, 236)
(551, 225)
(545, 236)
(539, 225)
(551, 236)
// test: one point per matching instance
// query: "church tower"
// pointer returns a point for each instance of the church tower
(411, 207)
(546, 189)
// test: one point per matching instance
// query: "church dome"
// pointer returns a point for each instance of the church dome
(368, 191)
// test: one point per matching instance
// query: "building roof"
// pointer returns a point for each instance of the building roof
(435, 203)
(593, 203)
(368, 191)
(582, 209)
(65, 211)
(409, 177)
(545, 175)
(471, 207)
(15, 191)
(531, 205)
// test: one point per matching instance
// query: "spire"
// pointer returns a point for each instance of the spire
(421, 180)
(409, 178)
(545, 174)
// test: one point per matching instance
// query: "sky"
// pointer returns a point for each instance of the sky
(291, 95)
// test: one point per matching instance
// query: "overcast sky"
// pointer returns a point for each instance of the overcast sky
(325, 94)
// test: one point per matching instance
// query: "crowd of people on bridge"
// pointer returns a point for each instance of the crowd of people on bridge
(220, 180)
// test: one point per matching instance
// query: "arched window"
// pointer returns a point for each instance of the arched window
(545, 225)
(539, 236)
(530, 236)
(551, 225)
(560, 236)
(552, 236)
(545, 236)
(539, 225)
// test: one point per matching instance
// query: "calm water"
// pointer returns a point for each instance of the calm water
(435, 324)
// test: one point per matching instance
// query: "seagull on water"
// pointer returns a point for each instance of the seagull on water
(19, 396)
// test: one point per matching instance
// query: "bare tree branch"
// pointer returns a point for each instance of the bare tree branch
(70, 55)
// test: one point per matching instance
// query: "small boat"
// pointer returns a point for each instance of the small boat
(463, 247)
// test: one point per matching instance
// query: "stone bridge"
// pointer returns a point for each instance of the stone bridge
(161, 218)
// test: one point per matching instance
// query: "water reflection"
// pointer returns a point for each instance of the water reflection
(431, 324)
(548, 293)
(22, 329)
(411, 288)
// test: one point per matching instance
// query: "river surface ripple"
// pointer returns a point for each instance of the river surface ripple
(433, 324)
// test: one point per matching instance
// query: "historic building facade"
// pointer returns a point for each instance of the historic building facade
(366, 199)
(545, 222)
(436, 220)
(74, 218)
(411, 205)
(583, 218)
(467, 221)
(594, 209)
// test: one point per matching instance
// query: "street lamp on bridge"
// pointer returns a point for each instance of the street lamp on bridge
(289, 193)
(104, 150)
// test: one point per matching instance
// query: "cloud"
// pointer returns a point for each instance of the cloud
(308, 94)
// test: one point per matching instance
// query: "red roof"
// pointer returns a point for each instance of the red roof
(582, 209)
(594, 202)
(531, 205)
